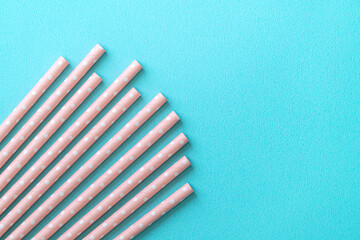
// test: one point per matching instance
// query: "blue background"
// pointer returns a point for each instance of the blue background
(268, 93)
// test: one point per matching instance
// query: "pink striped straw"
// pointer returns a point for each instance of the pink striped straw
(88, 167)
(50, 104)
(156, 213)
(45, 134)
(110, 175)
(125, 188)
(32, 97)
(137, 201)
(81, 147)
(79, 125)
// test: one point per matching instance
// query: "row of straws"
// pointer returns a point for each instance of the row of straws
(91, 164)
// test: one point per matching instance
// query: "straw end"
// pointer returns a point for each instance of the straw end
(97, 52)
(136, 65)
(135, 92)
(183, 139)
(185, 161)
(187, 188)
(161, 96)
(96, 77)
(99, 47)
(173, 114)
(62, 61)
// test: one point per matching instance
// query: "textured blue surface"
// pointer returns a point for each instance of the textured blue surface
(268, 94)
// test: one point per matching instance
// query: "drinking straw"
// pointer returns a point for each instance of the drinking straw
(50, 104)
(81, 147)
(110, 175)
(65, 139)
(156, 213)
(136, 202)
(120, 192)
(79, 125)
(74, 154)
(32, 97)
(45, 134)
(88, 167)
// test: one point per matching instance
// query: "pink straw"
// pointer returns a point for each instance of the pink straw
(110, 175)
(76, 128)
(80, 148)
(156, 213)
(88, 167)
(50, 104)
(45, 134)
(137, 201)
(32, 97)
(125, 188)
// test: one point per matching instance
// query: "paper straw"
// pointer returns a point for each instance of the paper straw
(125, 188)
(156, 213)
(88, 167)
(50, 104)
(110, 175)
(74, 154)
(32, 97)
(45, 134)
(137, 201)
(77, 127)
(66, 139)
(81, 147)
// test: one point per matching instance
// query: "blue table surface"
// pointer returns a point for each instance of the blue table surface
(268, 93)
